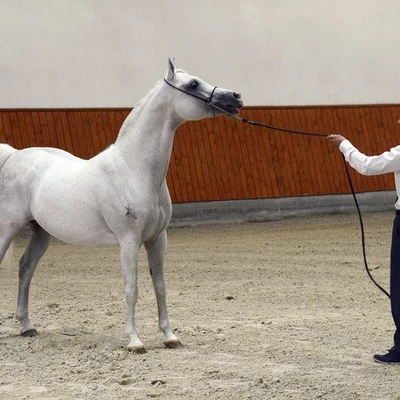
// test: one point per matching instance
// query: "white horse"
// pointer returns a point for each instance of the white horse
(119, 196)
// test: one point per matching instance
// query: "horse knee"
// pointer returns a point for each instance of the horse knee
(131, 294)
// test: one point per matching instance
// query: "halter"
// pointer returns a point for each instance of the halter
(206, 100)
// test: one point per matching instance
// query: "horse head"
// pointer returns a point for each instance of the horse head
(195, 99)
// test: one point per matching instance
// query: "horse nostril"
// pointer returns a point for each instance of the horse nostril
(236, 95)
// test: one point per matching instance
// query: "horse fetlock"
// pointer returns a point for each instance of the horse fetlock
(165, 327)
(171, 340)
(22, 317)
(26, 327)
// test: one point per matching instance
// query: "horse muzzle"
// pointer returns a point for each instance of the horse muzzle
(228, 101)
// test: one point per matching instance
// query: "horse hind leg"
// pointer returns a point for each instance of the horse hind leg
(38, 245)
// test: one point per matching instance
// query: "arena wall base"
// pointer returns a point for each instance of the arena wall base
(234, 211)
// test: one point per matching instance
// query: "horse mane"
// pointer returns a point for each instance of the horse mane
(137, 110)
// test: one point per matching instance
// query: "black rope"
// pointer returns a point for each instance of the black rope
(248, 121)
(296, 132)
(362, 229)
(255, 123)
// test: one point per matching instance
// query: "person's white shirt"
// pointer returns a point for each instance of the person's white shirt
(387, 162)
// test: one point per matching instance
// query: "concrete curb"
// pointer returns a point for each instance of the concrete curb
(188, 214)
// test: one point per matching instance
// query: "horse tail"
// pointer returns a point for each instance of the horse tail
(8, 259)
(5, 153)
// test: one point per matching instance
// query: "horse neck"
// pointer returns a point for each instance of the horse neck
(146, 136)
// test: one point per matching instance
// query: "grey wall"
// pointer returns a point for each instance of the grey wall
(101, 53)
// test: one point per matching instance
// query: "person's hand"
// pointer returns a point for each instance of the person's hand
(336, 139)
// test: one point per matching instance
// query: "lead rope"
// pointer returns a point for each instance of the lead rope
(255, 123)
(362, 229)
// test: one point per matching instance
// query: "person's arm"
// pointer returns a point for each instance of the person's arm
(389, 161)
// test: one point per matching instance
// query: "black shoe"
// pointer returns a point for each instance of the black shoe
(389, 358)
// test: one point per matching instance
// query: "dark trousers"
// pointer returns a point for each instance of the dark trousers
(395, 280)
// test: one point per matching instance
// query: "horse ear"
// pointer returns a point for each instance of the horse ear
(171, 68)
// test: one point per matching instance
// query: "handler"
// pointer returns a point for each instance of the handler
(377, 165)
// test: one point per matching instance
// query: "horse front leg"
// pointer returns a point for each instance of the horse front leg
(155, 255)
(129, 255)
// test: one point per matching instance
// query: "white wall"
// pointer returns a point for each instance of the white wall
(102, 53)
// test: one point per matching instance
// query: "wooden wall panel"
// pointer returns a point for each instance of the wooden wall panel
(225, 159)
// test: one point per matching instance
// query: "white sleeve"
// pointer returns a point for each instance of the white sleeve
(389, 161)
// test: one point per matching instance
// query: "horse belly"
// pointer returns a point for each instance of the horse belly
(77, 229)
(73, 220)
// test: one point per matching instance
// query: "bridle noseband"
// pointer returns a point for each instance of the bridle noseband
(205, 99)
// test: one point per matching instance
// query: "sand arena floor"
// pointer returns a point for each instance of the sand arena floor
(272, 310)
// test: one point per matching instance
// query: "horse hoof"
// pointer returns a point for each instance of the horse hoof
(173, 344)
(137, 349)
(29, 333)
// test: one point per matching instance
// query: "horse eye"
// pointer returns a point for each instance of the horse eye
(194, 85)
